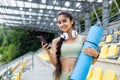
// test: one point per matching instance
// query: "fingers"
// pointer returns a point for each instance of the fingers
(88, 50)
(45, 45)
(85, 50)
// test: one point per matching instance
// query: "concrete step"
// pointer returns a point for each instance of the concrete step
(42, 70)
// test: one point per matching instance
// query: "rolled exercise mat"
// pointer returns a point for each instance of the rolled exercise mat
(84, 61)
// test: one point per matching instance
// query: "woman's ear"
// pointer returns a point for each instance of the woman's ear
(72, 22)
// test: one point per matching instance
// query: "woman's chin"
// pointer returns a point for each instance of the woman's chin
(64, 30)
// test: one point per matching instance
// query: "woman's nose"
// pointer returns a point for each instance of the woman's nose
(61, 25)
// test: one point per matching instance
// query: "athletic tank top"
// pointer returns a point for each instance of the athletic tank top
(72, 50)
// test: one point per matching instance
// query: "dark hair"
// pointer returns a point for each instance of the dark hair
(58, 65)
(58, 52)
(67, 14)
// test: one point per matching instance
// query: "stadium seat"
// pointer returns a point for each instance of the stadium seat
(44, 56)
(116, 56)
(16, 66)
(118, 59)
(109, 75)
(108, 39)
(102, 40)
(118, 32)
(89, 73)
(97, 74)
(104, 51)
(115, 38)
(111, 31)
(105, 32)
(24, 64)
(116, 29)
(101, 43)
(113, 50)
(17, 75)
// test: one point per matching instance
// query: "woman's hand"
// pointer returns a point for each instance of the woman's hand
(90, 51)
(46, 46)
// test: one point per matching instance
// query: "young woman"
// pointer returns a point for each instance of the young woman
(66, 48)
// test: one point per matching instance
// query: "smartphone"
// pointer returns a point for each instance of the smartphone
(43, 40)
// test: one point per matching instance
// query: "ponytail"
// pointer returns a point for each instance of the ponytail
(58, 65)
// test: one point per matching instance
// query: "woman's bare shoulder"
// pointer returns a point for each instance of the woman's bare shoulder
(55, 40)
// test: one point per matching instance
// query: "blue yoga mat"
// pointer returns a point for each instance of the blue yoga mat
(84, 61)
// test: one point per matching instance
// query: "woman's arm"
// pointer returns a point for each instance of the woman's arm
(90, 51)
(51, 52)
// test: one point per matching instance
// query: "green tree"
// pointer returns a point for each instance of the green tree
(17, 42)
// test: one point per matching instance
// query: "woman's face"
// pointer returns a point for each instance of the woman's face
(65, 24)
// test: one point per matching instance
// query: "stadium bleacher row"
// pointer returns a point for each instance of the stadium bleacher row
(96, 74)
(14, 70)
(110, 44)
(111, 52)
(111, 35)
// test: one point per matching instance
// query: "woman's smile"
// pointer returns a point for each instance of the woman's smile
(63, 28)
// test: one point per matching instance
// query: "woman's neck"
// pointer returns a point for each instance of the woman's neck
(70, 33)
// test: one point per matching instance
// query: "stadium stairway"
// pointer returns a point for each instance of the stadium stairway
(42, 70)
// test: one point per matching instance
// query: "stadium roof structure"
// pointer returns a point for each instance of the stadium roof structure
(41, 14)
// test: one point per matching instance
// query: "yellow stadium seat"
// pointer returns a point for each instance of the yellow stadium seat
(109, 75)
(89, 74)
(16, 66)
(117, 32)
(104, 51)
(108, 38)
(97, 74)
(44, 56)
(101, 43)
(113, 50)
(118, 59)
(3, 76)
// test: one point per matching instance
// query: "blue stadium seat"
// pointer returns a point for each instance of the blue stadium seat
(115, 38)
(105, 32)
(111, 31)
